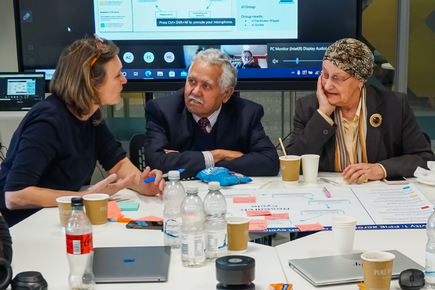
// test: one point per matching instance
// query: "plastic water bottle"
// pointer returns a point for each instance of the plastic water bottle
(80, 250)
(173, 196)
(192, 229)
(215, 208)
(430, 251)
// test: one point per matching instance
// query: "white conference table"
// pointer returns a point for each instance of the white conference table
(39, 245)
(411, 242)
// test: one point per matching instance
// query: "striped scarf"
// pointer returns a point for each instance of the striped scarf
(342, 159)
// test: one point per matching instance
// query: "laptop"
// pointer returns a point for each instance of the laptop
(20, 91)
(332, 270)
(131, 264)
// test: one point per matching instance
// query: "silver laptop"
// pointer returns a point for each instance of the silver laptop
(331, 270)
(131, 264)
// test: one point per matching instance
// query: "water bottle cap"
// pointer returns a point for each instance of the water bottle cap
(77, 201)
(192, 189)
(214, 185)
(173, 174)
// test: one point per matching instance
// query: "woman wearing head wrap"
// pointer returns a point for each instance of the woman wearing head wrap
(359, 130)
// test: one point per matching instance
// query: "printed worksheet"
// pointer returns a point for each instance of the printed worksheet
(288, 210)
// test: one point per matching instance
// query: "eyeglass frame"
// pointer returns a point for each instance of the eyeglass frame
(98, 44)
(336, 80)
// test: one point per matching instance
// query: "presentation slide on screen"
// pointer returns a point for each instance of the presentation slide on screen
(196, 19)
(21, 87)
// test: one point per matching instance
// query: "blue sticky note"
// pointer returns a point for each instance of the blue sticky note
(128, 206)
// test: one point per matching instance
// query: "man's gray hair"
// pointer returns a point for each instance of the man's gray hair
(214, 56)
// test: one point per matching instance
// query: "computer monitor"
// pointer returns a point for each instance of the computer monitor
(20, 91)
(158, 38)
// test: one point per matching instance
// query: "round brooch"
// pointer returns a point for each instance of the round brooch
(376, 120)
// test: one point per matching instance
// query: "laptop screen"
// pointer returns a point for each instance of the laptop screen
(18, 90)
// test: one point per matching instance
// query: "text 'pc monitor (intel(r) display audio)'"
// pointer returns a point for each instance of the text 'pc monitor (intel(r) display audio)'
(20, 91)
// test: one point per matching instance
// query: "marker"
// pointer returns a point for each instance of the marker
(330, 181)
(328, 195)
(119, 220)
(151, 179)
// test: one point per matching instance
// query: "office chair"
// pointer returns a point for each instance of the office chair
(137, 151)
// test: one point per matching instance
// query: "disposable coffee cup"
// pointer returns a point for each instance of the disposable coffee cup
(238, 234)
(96, 208)
(377, 270)
(290, 165)
(343, 229)
(64, 205)
(310, 167)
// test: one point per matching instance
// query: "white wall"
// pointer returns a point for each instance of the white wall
(9, 121)
(8, 49)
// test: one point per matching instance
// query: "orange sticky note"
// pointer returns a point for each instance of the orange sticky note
(248, 199)
(251, 213)
(150, 218)
(278, 216)
(311, 227)
(258, 225)
(113, 210)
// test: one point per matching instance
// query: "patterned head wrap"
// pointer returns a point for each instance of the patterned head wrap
(351, 56)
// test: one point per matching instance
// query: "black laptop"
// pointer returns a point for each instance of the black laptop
(20, 91)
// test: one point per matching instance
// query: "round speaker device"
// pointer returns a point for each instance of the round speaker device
(235, 272)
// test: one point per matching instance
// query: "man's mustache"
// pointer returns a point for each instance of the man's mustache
(192, 97)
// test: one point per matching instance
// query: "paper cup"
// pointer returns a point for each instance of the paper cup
(96, 208)
(64, 205)
(238, 234)
(290, 168)
(343, 229)
(377, 270)
(310, 167)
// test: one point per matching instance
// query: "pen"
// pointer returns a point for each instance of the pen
(330, 181)
(151, 179)
(328, 195)
(119, 220)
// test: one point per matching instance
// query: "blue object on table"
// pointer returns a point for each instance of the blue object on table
(128, 206)
(151, 179)
(222, 175)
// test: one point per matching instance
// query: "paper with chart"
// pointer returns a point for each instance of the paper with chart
(374, 208)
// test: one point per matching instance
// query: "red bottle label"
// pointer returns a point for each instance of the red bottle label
(79, 244)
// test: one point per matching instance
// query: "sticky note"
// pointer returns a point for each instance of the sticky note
(129, 206)
(249, 199)
(251, 213)
(311, 227)
(113, 211)
(258, 225)
(278, 216)
(150, 218)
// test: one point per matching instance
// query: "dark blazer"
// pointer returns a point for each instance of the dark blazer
(398, 143)
(169, 126)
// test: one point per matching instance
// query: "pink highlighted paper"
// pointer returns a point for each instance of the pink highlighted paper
(311, 227)
(150, 218)
(113, 210)
(249, 199)
(278, 216)
(258, 225)
(252, 213)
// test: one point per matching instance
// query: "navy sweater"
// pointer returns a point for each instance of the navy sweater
(53, 149)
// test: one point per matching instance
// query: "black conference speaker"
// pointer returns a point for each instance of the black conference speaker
(23, 281)
(235, 272)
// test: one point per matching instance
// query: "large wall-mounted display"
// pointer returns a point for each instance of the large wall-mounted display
(275, 44)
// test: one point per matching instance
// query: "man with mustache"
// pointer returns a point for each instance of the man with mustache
(204, 125)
